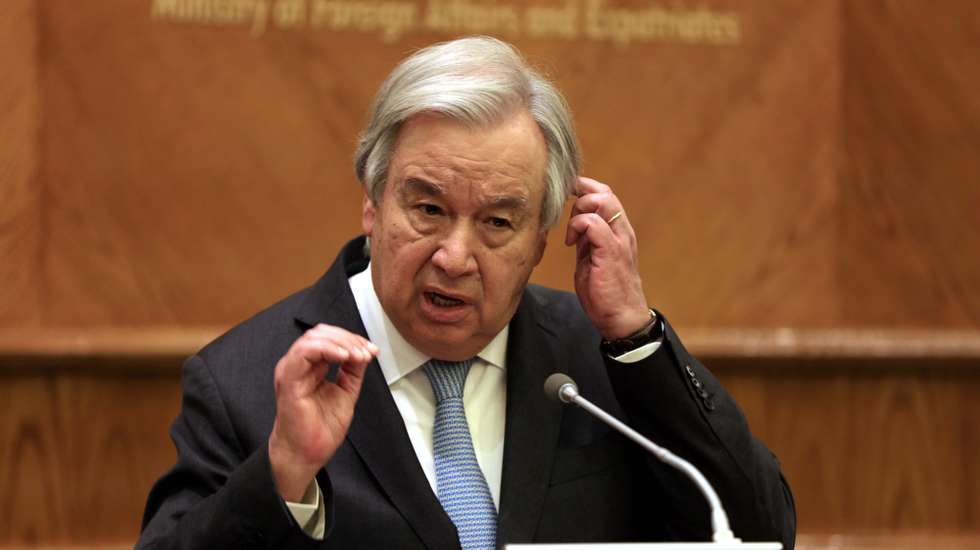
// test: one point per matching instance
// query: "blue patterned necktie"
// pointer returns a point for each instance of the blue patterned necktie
(460, 485)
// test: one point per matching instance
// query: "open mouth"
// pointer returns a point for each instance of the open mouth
(441, 300)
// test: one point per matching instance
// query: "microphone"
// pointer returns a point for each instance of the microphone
(561, 387)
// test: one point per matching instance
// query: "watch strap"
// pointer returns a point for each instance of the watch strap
(651, 332)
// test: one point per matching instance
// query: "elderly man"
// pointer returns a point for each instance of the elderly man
(397, 402)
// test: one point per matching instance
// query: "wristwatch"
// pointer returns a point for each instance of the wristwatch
(652, 332)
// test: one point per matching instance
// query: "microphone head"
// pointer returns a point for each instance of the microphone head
(553, 386)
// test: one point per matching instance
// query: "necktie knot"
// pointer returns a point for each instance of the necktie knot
(447, 377)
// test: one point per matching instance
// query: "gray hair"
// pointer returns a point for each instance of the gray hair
(475, 80)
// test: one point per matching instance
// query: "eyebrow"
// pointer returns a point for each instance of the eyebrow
(416, 185)
(430, 189)
(508, 202)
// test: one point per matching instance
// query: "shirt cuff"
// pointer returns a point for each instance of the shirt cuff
(640, 353)
(309, 513)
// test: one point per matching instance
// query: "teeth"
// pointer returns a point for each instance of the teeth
(443, 301)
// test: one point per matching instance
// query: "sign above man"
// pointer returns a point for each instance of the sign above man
(397, 403)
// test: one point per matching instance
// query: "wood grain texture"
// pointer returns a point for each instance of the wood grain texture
(197, 159)
(870, 450)
(179, 161)
(20, 197)
(890, 541)
(192, 162)
(866, 450)
(908, 254)
(724, 159)
(78, 452)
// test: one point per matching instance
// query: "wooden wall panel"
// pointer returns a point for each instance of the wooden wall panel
(188, 162)
(731, 226)
(188, 159)
(79, 450)
(877, 448)
(181, 160)
(909, 180)
(20, 196)
(871, 449)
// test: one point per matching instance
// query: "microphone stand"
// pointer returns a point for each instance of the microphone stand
(567, 392)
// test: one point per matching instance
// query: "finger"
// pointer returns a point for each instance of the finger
(320, 371)
(605, 205)
(297, 377)
(318, 377)
(349, 337)
(586, 185)
(331, 347)
(350, 376)
(359, 347)
(592, 229)
(315, 350)
(582, 249)
(578, 225)
(593, 202)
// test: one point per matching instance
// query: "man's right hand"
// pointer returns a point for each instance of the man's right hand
(312, 413)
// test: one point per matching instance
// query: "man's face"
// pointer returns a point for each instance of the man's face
(457, 230)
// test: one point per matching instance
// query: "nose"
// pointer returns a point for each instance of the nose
(455, 255)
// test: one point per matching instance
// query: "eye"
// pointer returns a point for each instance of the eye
(499, 223)
(429, 209)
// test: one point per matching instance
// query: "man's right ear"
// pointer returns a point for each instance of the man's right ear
(368, 212)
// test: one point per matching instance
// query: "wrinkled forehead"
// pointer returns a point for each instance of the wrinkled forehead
(435, 155)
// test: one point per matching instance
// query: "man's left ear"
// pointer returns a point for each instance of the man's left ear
(542, 244)
(368, 212)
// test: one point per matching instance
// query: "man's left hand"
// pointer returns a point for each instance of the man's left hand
(607, 275)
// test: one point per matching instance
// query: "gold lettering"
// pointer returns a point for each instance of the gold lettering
(656, 24)
(289, 13)
(471, 17)
(545, 21)
(213, 12)
(593, 20)
(259, 17)
(391, 19)
(163, 9)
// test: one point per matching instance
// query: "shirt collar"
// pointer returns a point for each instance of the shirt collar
(397, 357)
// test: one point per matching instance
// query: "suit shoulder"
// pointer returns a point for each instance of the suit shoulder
(561, 304)
(273, 324)
(563, 311)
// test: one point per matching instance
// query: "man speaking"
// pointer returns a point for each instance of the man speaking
(397, 403)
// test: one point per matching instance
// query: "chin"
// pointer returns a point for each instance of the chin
(446, 345)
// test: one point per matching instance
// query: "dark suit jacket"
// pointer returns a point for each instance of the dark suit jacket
(566, 477)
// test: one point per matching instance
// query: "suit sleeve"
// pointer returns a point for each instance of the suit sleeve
(673, 399)
(216, 496)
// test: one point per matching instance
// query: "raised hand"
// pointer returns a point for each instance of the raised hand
(312, 413)
(607, 275)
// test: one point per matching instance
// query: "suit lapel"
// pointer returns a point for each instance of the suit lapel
(378, 435)
(377, 432)
(532, 422)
